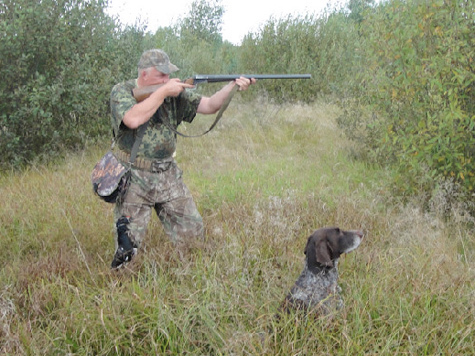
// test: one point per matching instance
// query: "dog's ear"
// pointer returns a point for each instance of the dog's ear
(324, 252)
(307, 246)
(319, 252)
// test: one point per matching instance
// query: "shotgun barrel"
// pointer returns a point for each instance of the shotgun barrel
(215, 78)
(143, 93)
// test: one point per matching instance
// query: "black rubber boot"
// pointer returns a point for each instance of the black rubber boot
(126, 249)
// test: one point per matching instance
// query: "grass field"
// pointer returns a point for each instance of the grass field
(263, 180)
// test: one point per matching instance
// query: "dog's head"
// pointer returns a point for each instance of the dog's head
(326, 245)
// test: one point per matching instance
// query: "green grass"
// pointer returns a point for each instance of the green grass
(263, 180)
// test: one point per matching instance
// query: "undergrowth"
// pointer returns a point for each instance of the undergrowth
(263, 180)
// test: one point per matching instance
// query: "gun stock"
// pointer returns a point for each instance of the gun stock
(140, 94)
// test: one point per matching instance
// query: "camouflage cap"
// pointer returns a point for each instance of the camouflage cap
(158, 59)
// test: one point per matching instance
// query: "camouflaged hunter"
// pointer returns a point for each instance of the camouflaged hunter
(155, 179)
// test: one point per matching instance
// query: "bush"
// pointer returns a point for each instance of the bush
(417, 92)
(58, 61)
(284, 47)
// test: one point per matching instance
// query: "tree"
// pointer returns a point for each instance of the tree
(357, 9)
(203, 22)
(58, 62)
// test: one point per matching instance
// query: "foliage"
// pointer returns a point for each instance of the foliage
(419, 89)
(58, 61)
(284, 46)
(203, 22)
(357, 9)
(325, 46)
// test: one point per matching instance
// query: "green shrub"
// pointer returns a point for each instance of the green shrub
(417, 92)
(58, 62)
(284, 46)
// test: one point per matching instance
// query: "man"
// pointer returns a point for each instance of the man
(156, 180)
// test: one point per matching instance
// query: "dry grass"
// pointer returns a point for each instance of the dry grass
(263, 180)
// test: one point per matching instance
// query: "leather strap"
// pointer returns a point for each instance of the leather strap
(138, 140)
(135, 148)
(218, 117)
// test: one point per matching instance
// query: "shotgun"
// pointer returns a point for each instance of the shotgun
(143, 93)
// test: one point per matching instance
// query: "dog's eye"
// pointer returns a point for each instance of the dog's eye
(337, 230)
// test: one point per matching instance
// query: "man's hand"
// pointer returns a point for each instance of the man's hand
(174, 87)
(244, 83)
(212, 104)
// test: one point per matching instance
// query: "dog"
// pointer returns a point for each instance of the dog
(317, 290)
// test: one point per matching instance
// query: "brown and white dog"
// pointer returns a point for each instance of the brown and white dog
(317, 290)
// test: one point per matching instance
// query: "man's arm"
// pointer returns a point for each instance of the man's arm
(211, 105)
(143, 111)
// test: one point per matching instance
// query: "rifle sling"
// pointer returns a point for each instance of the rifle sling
(218, 117)
(138, 140)
(135, 147)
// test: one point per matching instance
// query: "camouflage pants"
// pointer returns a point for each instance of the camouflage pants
(165, 192)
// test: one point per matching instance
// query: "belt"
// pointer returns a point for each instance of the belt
(144, 163)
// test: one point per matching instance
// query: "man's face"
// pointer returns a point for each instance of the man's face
(153, 76)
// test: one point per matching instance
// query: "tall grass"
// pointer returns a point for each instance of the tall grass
(263, 180)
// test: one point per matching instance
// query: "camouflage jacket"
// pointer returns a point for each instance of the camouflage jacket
(159, 141)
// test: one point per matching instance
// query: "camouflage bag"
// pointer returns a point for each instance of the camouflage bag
(109, 178)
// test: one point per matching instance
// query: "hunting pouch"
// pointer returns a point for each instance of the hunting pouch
(109, 178)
